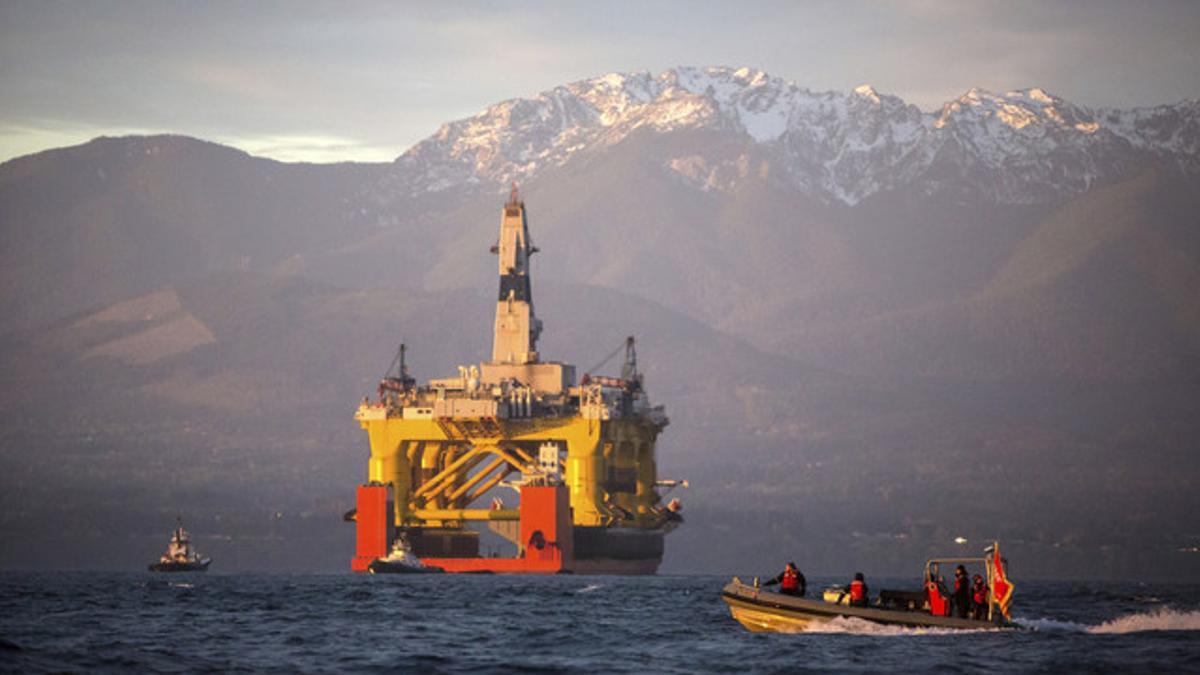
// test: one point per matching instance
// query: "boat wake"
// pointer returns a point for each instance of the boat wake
(1051, 625)
(589, 588)
(854, 626)
(1158, 619)
(1162, 618)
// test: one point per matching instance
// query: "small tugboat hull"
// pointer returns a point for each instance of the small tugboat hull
(384, 567)
(201, 566)
(761, 611)
(179, 556)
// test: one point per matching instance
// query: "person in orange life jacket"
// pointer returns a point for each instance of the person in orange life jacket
(858, 591)
(790, 580)
(979, 603)
(962, 593)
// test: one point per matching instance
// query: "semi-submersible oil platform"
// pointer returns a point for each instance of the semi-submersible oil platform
(581, 456)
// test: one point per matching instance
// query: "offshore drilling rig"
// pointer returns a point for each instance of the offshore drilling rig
(581, 457)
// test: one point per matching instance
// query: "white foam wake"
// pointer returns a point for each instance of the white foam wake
(855, 626)
(589, 588)
(1158, 619)
(1162, 618)
(1050, 625)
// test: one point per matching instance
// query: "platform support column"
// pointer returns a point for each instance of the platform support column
(374, 528)
(547, 533)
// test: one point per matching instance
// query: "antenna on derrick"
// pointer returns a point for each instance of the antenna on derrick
(403, 370)
(397, 380)
(629, 368)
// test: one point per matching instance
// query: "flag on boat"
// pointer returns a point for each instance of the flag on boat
(1002, 588)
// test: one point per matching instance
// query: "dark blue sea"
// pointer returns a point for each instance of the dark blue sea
(141, 622)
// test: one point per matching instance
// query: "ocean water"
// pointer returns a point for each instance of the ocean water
(142, 622)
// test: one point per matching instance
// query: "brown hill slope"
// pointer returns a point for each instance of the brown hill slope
(898, 286)
(118, 217)
(1106, 287)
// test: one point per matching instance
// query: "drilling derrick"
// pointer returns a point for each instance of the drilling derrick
(578, 460)
(517, 329)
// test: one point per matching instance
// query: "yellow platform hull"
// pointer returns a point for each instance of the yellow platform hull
(426, 463)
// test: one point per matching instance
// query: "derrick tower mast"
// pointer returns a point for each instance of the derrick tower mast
(517, 327)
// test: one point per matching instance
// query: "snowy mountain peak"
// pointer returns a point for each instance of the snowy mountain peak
(1017, 109)
(868, 92)
(723, 78)
(1039, 94)
(838, 147)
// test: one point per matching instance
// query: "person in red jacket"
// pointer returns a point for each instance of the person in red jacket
(858, 591)
(979, 598)
(790, 580)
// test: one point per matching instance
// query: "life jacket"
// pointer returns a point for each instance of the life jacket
(790, 581)
(980, 595)
(858, 590)
(962, 588)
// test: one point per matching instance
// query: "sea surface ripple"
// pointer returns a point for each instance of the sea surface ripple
(56, 622)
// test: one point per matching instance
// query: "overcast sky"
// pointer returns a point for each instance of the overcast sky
(356, 81)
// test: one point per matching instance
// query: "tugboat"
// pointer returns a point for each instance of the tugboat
(179, 556)
(765, 611)
(401, 561)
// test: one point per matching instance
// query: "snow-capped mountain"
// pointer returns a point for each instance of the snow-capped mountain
(1024, 146)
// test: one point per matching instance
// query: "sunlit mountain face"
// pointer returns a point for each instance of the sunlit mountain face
(1019, 147)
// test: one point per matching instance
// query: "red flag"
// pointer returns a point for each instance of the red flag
(1002, 588)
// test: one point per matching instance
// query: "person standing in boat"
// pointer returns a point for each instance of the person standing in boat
(962, 593)
(979, 603)
(791, 581)
(858, 591)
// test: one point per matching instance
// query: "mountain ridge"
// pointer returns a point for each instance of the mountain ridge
(838, 147)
